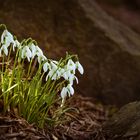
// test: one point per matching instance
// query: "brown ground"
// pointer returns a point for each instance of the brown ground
(84, 124)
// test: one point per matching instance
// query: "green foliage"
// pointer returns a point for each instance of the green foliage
(34, 90)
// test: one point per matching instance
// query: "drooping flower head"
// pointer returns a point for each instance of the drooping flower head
(26, 53)
(6, 40)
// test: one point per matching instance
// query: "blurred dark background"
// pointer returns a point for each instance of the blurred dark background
(104, 33)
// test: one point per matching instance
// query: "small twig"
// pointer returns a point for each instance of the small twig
(72, 116)
(130, 134)
(21, 134)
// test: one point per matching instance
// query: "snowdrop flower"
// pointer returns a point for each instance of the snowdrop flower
(26, 52)
(70, 89)
(69, 70)
(4, 49)
(80, 67)
(7, 38)
(46, 66)
(55, 62)
(39, 51)
(66, 91)
(3, 36)
(66, 74)
(33, 49)
(72, 77)
(71, 66)
(16, 44)
(69, 76)
(40, 55)
(52, 74)
(60, 72)
(63, 95)
(53, 71)
(41, 58)
(54, 66)
(48, 75)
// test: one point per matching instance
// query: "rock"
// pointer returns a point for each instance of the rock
(125, 124)
(109, 51)
(132, 4)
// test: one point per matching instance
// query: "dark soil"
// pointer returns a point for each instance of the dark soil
(83, 124)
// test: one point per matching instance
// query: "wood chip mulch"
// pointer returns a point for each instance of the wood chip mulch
(84, 124)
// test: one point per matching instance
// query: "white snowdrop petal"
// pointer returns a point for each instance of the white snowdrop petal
(6, 35)
(47, 77)
(54, 77)
(22, 54)
(63, 93)
(76, 79)
(70, 88)
(55, 62)
(71, 78)
(14, 45)
(80, 68)
(46, 67)
(28, 58)
(4, 48)
(33, 47)
(39, 51)
(28, 53)
(10, 36)
(70, 62)
(54, 66)
(33, 50)
(71, 66)
(6, 51)
(50, 74)
(3, 36)
(41, 58)
(60, 72)
(65, 76)
(44, 58)
(17, 43)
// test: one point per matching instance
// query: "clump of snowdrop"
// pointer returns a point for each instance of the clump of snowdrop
(59, 78)
(67, 72)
